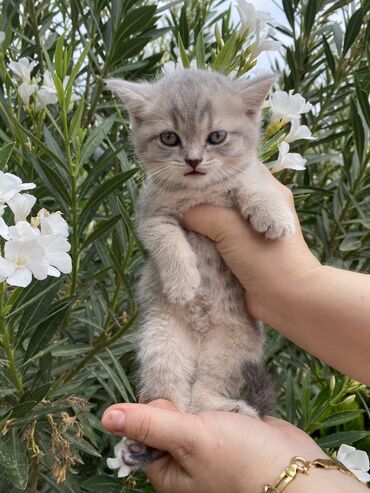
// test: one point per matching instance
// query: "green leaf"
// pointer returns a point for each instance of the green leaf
(200, 52)
(353, 29)
(358, 130)
(74, 73)
(46, 330)
(13, 458)
(97, 484)
(289, 11)
(224, 58)
(363, 100)
(96, 138)
(329, 56)
(5, 153)
(22, 409)
(53, 145)
(101, 193)
(336, 439)
(53, 182)
(341, 417)
(135, 21)
(310, 15)
(58, 57)
(183, 55)
(130, 227)
(290, 398)
(184, 26)
(54, 157)
(102, 228)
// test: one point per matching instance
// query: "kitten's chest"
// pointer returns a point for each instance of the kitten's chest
(178, 204)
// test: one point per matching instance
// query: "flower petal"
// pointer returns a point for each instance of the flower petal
(114, 463)
(53, 272)
(39, 268)
(344, 451)
(21, 278)
(21, 205)
(361, 475)
(7, 268)
(4, 230)
(124, 471)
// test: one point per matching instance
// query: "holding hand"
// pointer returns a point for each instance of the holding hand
(218, 452)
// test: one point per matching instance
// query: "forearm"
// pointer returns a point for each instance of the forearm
(326, 311)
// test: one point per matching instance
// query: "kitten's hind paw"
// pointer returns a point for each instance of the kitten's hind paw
(131, 456)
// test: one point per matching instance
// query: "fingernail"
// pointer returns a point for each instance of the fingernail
(116, 419)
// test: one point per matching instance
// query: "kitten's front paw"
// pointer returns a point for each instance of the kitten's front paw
(183, 287)
(272, 223)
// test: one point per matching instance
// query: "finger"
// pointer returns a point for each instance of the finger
(160, 428)
(163, 404)
(214, 222)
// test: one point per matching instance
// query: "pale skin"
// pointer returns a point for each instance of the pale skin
(325, 311)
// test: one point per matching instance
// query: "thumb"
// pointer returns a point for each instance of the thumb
(164, 429)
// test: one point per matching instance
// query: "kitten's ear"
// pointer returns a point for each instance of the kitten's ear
(254, 94)
(135, 95)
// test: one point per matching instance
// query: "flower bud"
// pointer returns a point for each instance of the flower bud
(349, 399)
(332, 384)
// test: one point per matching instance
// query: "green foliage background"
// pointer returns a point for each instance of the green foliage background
(72, 338)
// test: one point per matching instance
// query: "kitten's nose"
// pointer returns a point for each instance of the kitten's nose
(193, 162)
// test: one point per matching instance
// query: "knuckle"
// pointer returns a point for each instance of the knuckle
(143, 428)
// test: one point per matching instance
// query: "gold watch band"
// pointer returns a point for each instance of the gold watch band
(302, 465)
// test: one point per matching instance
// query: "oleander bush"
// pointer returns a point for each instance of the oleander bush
(67, 342)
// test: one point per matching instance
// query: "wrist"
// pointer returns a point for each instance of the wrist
(275, 300)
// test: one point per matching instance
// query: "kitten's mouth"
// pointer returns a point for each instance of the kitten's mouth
(195, 172)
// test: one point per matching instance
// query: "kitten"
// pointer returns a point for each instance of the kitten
(196, 134)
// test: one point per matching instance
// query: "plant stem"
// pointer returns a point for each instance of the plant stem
(101, 343)
(7, 346)
(73, 171)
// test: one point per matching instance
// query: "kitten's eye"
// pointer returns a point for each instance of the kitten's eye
(169, 139)
(217, 137)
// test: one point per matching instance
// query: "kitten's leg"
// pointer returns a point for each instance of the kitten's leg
(264, 206)
(167, 361)
(173, 256)
(220, 374)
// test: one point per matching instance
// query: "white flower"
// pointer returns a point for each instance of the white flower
(287, 107)
(2, 37)
(22, 259)
(264, 45)
(47, 94)
(357, 461)
(25, 91)
(56, 248)
(251, 18)
(23, 231)
(52, 224)
(21, 205)
(10, 185)
(288, 159)
(3, 227)
(22, 69)
(4, 230)
(117, 462)
(298, 132)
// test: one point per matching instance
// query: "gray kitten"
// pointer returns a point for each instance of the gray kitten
(196, 133)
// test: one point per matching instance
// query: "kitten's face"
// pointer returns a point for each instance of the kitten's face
(194, 128)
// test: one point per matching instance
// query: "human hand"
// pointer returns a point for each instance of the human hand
(264, 267)
(211, 452)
